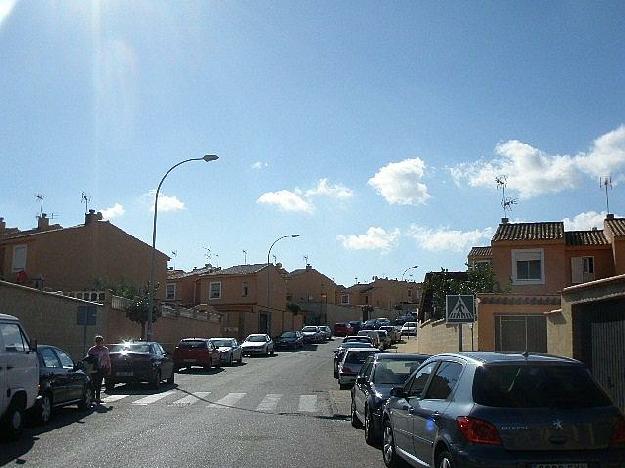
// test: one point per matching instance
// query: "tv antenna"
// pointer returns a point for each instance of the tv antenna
(39, 197)
(506, 202)
(605, 182)
(244, 257)
(174, 254)
(207, 253)
(275, 258)
(305, 260)
(84, 198)
(217, 260)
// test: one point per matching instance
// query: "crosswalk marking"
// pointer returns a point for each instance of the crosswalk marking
(307, 403)
(190, 399)
(112, 398)
(151, 398)
(269, 403)
(229, 400)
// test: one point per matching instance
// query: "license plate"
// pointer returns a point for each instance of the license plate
(560, 465)
(124, 374)
(190, 360)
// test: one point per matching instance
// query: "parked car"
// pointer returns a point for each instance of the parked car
(19, 375)
(379, 374)
(385, 340)
(393, 334)
(409, 329)
(290, 340)
(312, 334)
(139, 361)
(365, 338)
(496, 410)
(229, 350)
(340, 352)
(369, 325)
(61, 383)
(258, 343)
(356, 326)
(326, 331)
(192, 352)
(350, 365)
(375, 338)
(343, 329)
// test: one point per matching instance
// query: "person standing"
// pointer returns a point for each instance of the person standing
(100, 355)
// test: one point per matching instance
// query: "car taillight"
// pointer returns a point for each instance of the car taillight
(478, 431)
(618, 433)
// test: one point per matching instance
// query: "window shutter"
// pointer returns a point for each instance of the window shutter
(577, 270)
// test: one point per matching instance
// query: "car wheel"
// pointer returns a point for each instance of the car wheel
(343, 386)
(156, 381)
(240, 361)
(13, 421)
(354, 418)
(443, 460)
(172, 378)
(44, 409)
(370, 437)
(389, 455)
(87, 397)
(230, 359)
(272, 351)
(109, 385)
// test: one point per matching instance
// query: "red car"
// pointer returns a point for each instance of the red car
(196, 352)
(343, 329)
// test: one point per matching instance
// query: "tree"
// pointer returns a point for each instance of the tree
(137, 311)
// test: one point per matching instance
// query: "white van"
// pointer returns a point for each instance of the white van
(19, 375)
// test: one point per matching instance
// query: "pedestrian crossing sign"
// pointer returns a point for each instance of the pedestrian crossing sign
(460, 309)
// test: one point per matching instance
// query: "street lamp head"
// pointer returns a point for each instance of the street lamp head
(295, 235)
(210, 157)
(416, 266)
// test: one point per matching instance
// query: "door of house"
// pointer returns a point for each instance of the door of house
(263, 325)
(521, 333)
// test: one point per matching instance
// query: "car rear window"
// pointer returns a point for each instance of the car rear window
(132, 348)
(537, 386)
(192, 344)
(395, 371)
(358, 357)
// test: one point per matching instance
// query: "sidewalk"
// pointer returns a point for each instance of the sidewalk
(409, 345)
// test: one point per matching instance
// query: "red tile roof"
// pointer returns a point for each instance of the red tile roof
(586, 238)
(481, 252)
(529, 231)
(617, 226)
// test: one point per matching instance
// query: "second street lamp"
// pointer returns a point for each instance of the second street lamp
(269, 279)
(151, 289)
(409, 268)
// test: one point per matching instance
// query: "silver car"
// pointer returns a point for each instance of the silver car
(258, 344)
(229, 350)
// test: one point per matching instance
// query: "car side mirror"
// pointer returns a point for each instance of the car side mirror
(398, 392)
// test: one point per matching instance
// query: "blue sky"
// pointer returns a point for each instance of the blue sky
(373, 129)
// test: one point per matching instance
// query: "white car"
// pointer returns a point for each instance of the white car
(258, 343)
(19, 375)
(229, 350)
(409, 329)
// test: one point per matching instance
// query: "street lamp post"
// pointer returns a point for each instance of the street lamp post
(269, 273)
(151, 289)
(406, 270)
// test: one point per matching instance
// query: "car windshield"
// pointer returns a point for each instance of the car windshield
(256, 338)
(222, 343)
(288, 335)
(394, 371)
(131, 348)
(356, 344)
(399, 322)
(537, 386)
(358, 339)
(410, 324)
(358, 357)
(309, 329)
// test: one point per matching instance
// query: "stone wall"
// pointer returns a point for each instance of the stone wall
(434, 337)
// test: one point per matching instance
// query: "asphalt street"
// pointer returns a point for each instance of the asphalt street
(278, 411)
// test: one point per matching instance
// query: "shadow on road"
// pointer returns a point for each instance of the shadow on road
(139, 389)
(201, 370)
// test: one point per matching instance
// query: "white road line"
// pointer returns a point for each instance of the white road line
(151, 398)
(229, 400)
(112, 398)
(190, 399)
(269, 403)
(307, 403)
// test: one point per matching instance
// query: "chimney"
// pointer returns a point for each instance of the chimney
(3, 226)
(610, 216)
(278, 265)
(92, 216)
(594, 228)
(504, 220)
(43, 222)
(308, 267)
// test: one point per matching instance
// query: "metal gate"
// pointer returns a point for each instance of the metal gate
(521, 333)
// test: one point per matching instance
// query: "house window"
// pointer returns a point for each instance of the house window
(366, 299)
(244, 289)
(19, 258)
(528, 267)
(344, 298)
(410, 293)
(170, 291)
(582, 269)
(215, 290)
(481, 264)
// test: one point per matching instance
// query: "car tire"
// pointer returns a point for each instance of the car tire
(44, 409)
(354, 418)
(87, 397)
(240, 361)
(13, 421)
(370, 437)
(230, 359)
(343, 386)
(272, 351)
(389, 454)
(109, 385)
(443, 460)
(172, 379)
(156, 380)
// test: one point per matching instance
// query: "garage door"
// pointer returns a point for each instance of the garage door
(521, 333)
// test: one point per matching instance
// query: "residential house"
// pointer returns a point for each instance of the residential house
(93, 255)
(306, 285)
(182, 287)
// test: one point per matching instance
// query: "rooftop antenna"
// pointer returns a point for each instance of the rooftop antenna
(506, 202)
(85, 199)
(217, 260)
(208, 254)
(39, 197)
(605, 182)
(275, 259)
(174, 253)
(305, 260)
(244, 257)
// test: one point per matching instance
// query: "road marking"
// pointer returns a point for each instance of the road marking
(190, 399)
(112, 398)
(307, 403)
(151, 398)
(269, 403)
(229, 400)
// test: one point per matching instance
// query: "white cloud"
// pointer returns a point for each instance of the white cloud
(436, 240)
(532, 172)
(286, 200)
(400, 182)
(259, 165)
(585, 221)
(376, 238)
(6, 7)
(328, 190)
(165, 202)
(114, 211)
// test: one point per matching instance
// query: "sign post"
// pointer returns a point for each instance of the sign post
(459, 309)
(86, 316)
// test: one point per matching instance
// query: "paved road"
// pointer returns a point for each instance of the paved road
(277, 411)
